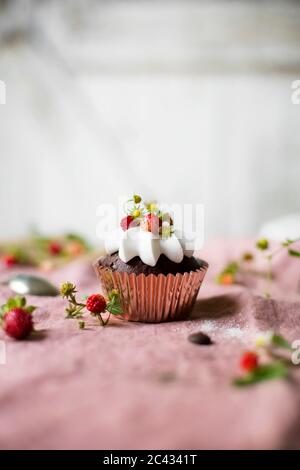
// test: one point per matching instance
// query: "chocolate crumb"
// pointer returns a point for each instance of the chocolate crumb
(200, 338)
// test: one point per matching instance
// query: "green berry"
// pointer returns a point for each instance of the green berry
(81, 325)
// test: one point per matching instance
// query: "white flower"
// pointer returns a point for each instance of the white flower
(263, 340)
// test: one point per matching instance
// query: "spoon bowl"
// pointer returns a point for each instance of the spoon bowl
(27, 284)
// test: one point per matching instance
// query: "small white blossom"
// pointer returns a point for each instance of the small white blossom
(263, 340)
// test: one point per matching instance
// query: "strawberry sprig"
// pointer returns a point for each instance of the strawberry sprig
(234, 270)
(43, 251)
(274, 370)
(95, 304)
(267, 346)
(68, 291)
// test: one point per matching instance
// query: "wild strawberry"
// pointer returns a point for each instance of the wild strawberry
(151, 223)
(46, 265)
(10, 260)
(128, 222)
(96, 303)
(226, 279)
(17, 323)
(74, 248)
(55, 248)
(249, 361)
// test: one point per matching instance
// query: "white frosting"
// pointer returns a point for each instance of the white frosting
(137, 242)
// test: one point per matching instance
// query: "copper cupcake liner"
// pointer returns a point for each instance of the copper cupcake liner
(153, 298)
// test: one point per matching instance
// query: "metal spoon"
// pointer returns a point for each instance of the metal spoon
(32, 285)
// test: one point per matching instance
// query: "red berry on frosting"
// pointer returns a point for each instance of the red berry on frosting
(249, 361)
(151, 223)
(96, 303)
(126, 222)
(10, 260)
(18, 323)
(54, 248)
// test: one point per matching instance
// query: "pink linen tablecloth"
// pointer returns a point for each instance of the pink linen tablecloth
(144, 386)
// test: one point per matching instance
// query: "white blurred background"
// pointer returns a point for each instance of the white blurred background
(184, 101)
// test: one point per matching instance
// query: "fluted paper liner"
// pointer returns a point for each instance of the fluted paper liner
(153, 298)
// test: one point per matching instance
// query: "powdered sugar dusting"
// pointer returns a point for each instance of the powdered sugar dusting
(210, 325)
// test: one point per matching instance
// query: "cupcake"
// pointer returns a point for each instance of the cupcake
(151, 266)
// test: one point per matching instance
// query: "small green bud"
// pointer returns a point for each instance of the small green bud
(113, 293)
(67, 288)
(81, 324)
(247, 256)
(137, 199)
(262, 244)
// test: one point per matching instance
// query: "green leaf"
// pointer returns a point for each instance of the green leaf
(275, 370)
(281, 342)
(231, 268)
(20, 302)
(3, 310)
(76, 314)
(294, 253)
(115, 310)
(30, 308)
(74, 236)
(77, 238)
(15, 302)
(287, 242)
(114, 305)
(12, 302)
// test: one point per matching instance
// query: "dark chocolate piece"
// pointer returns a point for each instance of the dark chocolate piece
(200, 338)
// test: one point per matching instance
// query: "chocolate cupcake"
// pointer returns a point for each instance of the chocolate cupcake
(148, 263)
